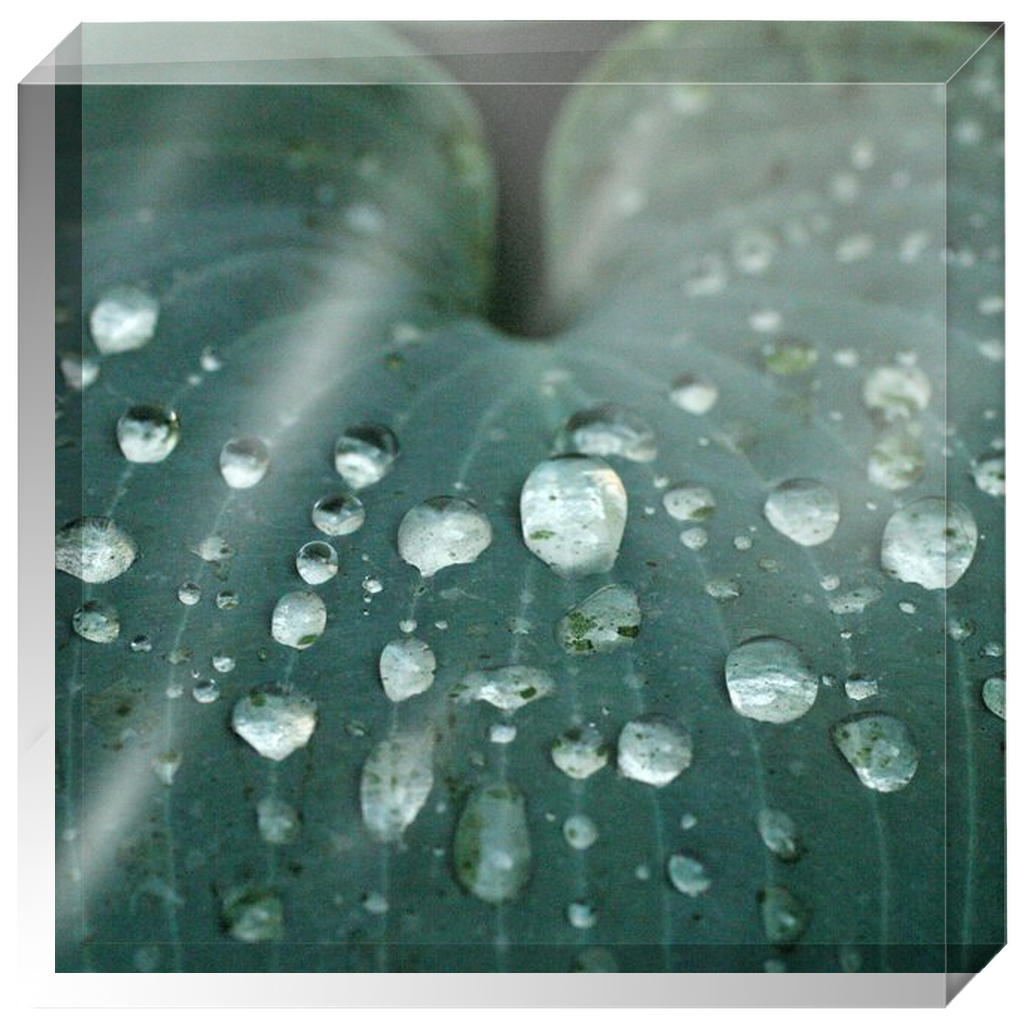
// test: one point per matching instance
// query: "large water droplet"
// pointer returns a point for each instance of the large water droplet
(805, 511)
(897, 459)
(930, 542)
(779, 834)
(507, 688)
(607, 430)
(990, 475)
(783, 916)
(492, 844)
(338, 514)
(897, 392)
(275, 723)
(769, 681)
(687, 874)
(97, 621)
(364, 454)
(316, 562)
(123, 319)
(689, 502)
(993, 693)
(397, 779)
(573, 510)
(298, 620)
(654, 749)
(443, 531)
(254, 915)
(606, 621)
(406, 668)
(95, 549)
(580, 751)
(277, 821)
(244, 462)
(148, 433)
(880, 750)
(695, 394)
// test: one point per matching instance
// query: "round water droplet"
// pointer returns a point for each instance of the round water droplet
(406, 668)
(581, 915)
(148, 433)
(364, 454)
(396, 781)
(723, 589)
(897, 392)
(880, 750)
(165, 765)
(654, 750)
(606, 621)
(254, 915)
(277, 821)
(94, 549)
(206, 691)
(299, 619)
(375, 903)
(694, 538)
(441, 532)
(779, 834)
(244, 462)
(189, 593)
(338, 514)
(687, 875)
(492, 844)
(897, 459)
(210, 360)
(141, 644)
(275, 723)
(607, 430)
(930, 542)
(689, 502)
(783, 916)
(990, 475)
(223, 662)
(696, 395)
(993, 693)
(579, 831)
(769, 681)
(580, 751)
(316, 562)
(79, 371)
(124, 319)
(573, 511)
(97, 621)
(805, 511)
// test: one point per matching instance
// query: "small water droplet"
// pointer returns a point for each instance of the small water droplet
(492, 844)
(805, 511)
(165, 765)
(206, 691)
(581, 915)
(364, 454)
(993, 649)
(779, 833)
(897, 459)
(189, 593)
(406, 668)
(897, 392)
(605, 431)
(695, 538)
(244, 462)
(148, 433)
(654, 749)
(694, 394)
(94, 549)
(299, 619)
(275, 723)
(580, 751)
(278, 821)
(579, 831)
(742, 542)
(687, 875)
(396, 781)
(689, 502)
(223, 662)
(908, 607)
(124, 319)
(990, 475)
(97, 621)
(338, 514)
(375, 903)
(606, 621)
(880, 750)
(441, 532)
(861, 687)
(508, 688)
(141, 644)
(502, 733)
(783, 916)
(993, 693)
(930, 542)
(254, 915)
(79, 371)
(372, 585)
(316, 562)
(769, 681)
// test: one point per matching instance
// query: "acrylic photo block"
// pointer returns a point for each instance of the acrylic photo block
(529, 498)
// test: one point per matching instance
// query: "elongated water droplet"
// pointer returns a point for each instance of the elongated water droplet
(897, 459)
(406, 668)
(580, 751)
(298, 620)
(897, 392)
(275, 723)
(880, 750)
(689, 502)
(990, 475)
(364, 454)
(223, 662)
(492, 844)
(687, 875)
(930, 542)
(507, 688)
(654, 749)
(397, 779)
(338, 514)
(696, 395)
(124, 319)
(244, 462)
(769, 681)
(606, 621)
(573, 510)
(443, 531)
(783, 916)
(779, 834)
(694, 538)
(94, 549)
(316, 562)
(852, 602)
(148, 433)
(97, 621)
(805, 511)
(277, 821)
(254, 915)
(993, 693)
(607, 430)
(579, 831)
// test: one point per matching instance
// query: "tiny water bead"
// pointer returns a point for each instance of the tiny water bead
(579, 831)
(508, 688)
(502, 733)
(274, 722)
(607, 430)
(94, 549)
(654, 749)
(124, 319)
(606, 621)
(213, 549)
(364, 454)
(206, 691)
(723, 589)
(581, 915)
(880, 750)
(993, 694)
(573, 511)
(990, 475)
(226, 600)
(254, 915)
(580, 751)
(694, 394)
(861, 687)
(783, 917)
(397, 779)
(79, 371)
(277, 821)
(316, 562)
(930, 542)
(897, 459)
(189, 593)
(769, 681)
(299, 619)
(210, 360)
(805, 511)
(406, 668)
(897, 392)
(244, 462)
(689, 502)
(492, 852)
(338, 515)
(375, 903)
(687, 875)
(148, 433)
(779, 834)
(97, 621)
(441, 532)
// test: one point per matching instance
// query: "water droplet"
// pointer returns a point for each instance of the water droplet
(573, 510)
(960, 629)
(688, 821)
(993, 649)
(206, 691)
(687, 874)
(654, 749)
(581, 915)
(443, 531)
(897, 392)
(779, 833)
(189, 593)
(507, 688)
(769, 681)
(364, 454)
(907, 607)
(94, 549)
(789, 356)
(406, 668)
(579, 831)
(298, 620)
(861, 687)
(694, 394)
(79, 371)
(213, 549)
(244, 462)
(124, 319)
(580, 751)
(165, 765)
(930, 542)
(689, 502)
(805, 511)
(990, 475)
(783, 916)
(723, 589)
(897, 459)
(880, 750)
(993, 693)
(607, 430)
(210, 360)
(273, 722)
(396, 781)
(375, 903)
(148, 433)
(316, 562)
(223, 662)
(277, 821)
(141, 644)
(742, 542)
(606, 621)
(852, 602)
(502, 733)
(694, 538)
(372, 585)
(338, 514)
(97, 621)
(254, 915)
(492, 844)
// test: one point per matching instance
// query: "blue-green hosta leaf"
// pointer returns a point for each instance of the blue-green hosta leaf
(777, 243)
